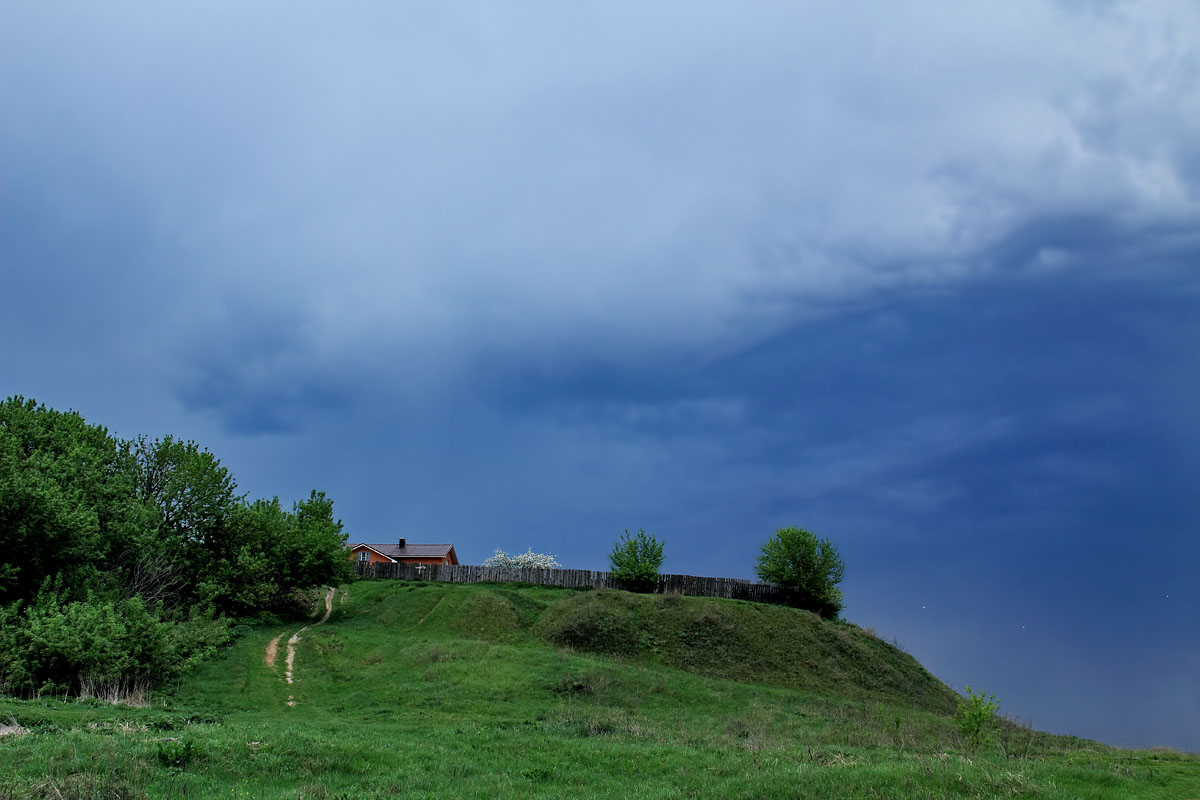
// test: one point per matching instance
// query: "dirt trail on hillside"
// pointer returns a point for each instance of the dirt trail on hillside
(291, 653)
(272, 652)
(328, 605)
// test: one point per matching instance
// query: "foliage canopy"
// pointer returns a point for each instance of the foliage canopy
(636, 560)
(121, 560)
(806, 564)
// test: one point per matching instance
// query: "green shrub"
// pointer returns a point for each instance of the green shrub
(66, 643)
(976, 717)
(175, 753)
(636, 560)
(109, 647)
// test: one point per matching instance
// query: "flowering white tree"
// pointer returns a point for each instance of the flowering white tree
(526, 559)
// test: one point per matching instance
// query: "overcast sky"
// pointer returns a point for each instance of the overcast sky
(923, 278)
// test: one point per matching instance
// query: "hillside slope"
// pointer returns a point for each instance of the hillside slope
(749, 642)
(435, 690)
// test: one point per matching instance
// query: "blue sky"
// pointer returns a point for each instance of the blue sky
(922, 280)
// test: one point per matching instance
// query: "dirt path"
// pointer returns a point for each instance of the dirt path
(272, 652)
(291, 653)
(328, 605)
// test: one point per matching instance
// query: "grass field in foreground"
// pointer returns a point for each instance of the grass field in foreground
(436, 690)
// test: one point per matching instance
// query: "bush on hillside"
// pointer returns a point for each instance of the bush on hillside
(806, 565)
(976, 717)
(60, 647)
(601, 622)
(636, 560)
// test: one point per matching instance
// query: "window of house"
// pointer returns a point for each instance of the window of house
(363, 555)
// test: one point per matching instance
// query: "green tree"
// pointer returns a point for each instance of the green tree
(245, 563)
(190, 501)
(264, 551)
(808, 566)
(66, 504)
(636, 560)
(191, 493)
(316, 553)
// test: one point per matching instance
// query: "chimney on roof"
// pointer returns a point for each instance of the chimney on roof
(402, 541)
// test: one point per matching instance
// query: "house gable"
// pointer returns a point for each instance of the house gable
(365, 553)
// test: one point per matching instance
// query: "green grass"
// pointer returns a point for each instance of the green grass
(436, 690)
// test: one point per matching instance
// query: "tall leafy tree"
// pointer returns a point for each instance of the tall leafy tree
(190, 499)
(66, 501)
(186, 486)
(246, 572)
(807, 565)
(265, 551)
(316, 554)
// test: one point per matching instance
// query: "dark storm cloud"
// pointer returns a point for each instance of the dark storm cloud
(263, 376)
(248, 407)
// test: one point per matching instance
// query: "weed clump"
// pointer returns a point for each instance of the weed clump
(581, 685)
(175, 753)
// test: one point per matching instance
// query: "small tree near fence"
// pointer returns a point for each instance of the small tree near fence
(810, 567)
(636, 560)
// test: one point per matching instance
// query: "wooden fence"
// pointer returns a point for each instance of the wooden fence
(733, 588)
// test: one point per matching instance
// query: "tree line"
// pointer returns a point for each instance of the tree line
(125, 561)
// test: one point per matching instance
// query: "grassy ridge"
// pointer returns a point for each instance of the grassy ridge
(439, 690)
(749, 642)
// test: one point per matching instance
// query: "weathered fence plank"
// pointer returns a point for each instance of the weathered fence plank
(733, 588)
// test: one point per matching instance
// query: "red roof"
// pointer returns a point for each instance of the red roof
(410, 550)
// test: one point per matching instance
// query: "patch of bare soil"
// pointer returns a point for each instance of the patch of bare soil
(291, 651)
(328, 605)
(273, 651)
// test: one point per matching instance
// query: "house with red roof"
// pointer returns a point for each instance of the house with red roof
(403, 552)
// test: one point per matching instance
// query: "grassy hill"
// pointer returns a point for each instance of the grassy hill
(437, 690)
